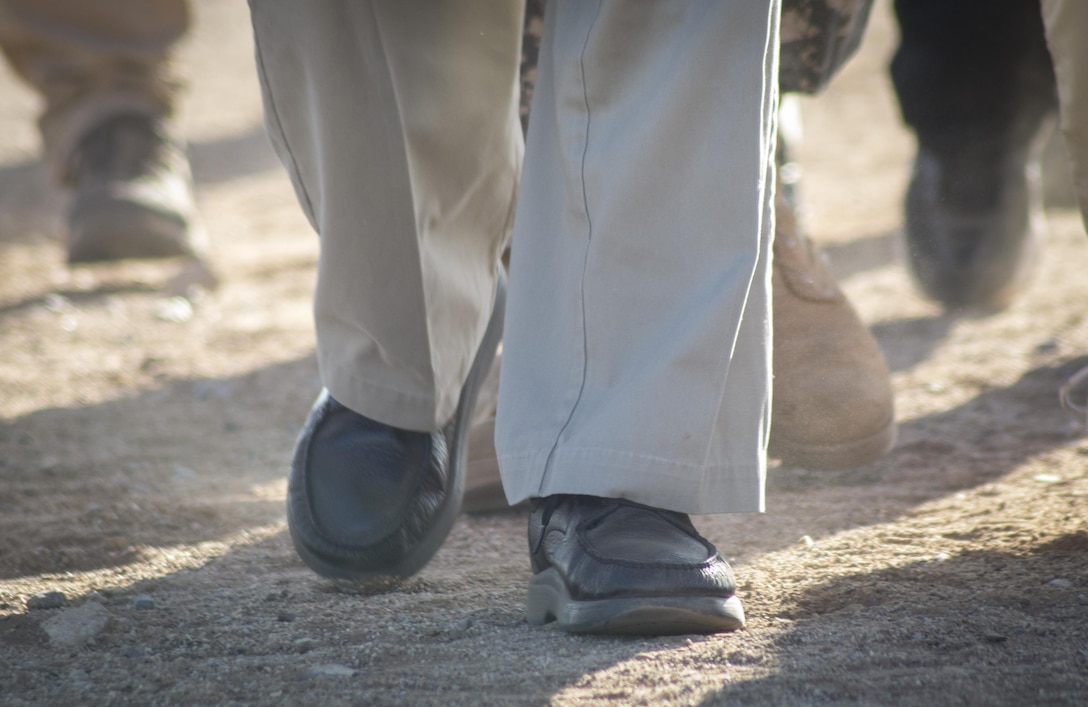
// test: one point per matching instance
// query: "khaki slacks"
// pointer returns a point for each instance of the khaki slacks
(636, 360)
(91, 60)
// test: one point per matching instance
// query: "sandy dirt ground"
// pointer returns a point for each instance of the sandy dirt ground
(145, 429)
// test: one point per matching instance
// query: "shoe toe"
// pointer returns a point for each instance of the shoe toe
(365, 499)
(360, 475)
(610, 566)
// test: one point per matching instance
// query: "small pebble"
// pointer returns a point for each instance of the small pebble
(285, 616)
(78, 676)
(459, 629)
(177, 310)
(143, 602)
(46, 600)
(1047, 347)
(57, 304)
(134, 652)
(304, 645)
(1061, 583)
(74, 627)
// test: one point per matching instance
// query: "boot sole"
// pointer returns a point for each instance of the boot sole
(122, 230)
(550, 601)
(840, 455)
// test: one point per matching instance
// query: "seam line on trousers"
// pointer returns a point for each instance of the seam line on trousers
(262, 76)
(585, 261)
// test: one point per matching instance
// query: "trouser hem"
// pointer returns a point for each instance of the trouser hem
(403, 410)
(736, 487)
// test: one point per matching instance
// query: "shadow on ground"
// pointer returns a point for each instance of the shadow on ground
(78, 496)
(193, 451)
(1027, 612)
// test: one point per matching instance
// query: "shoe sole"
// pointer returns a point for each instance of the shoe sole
(444, 518)
(549, 601)
(121, 230)
(841, 455)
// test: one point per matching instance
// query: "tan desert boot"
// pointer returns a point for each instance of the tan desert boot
(832, 400)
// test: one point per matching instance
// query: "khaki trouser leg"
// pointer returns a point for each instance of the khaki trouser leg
(637, 350)
(1067, 35)
(398, 124)
(92, 59)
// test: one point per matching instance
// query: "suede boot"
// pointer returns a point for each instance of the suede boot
(832, 400)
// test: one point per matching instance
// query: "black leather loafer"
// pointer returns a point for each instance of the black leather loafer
(366, 500)
(611, 566)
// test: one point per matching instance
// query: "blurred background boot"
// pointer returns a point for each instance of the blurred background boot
(832, 403)
(975, 84)
(133, 194)
(108, 87)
